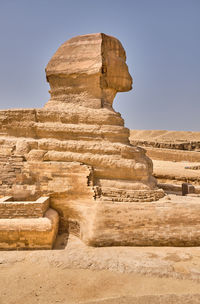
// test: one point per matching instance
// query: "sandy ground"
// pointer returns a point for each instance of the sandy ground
(165, 135)
(75, 273)
(175, 170)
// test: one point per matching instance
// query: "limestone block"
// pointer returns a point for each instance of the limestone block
(22, 147)
(18, 209)
(168, 222)
(34, 233)
(35, 155)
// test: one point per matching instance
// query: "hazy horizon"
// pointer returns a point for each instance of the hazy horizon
(160, 37)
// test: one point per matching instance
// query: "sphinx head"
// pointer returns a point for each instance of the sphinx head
(88, 70)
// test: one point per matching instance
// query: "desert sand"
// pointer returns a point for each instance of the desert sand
(76, 273)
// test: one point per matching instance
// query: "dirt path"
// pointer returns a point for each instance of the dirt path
(43, 283)
(81, 274)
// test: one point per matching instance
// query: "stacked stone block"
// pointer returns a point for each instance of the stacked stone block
(27, 225)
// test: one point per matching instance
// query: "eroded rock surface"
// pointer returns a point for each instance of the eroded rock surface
(77, 151)
(175, 155)
(88, 70)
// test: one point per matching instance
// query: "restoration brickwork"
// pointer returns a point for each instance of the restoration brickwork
(29, 233)
(14, 209)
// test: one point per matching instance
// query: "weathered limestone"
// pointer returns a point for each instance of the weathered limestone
(171, 221)
(172, 154)
(19, 209)
(27, 225)
(168, 145)
(77, 151)
(78, 124)
(88, 70)
(176, 140)
(175, 155)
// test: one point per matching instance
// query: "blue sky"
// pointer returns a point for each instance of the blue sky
(161, 39)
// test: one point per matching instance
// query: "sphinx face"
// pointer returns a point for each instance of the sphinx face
(115, 70)
(118, 76)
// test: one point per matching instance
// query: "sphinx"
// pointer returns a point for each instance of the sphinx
(76, 151)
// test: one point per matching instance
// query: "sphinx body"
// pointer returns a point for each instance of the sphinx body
(77, 151)
(84, 75)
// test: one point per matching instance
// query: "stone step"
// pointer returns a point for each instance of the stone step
(29, 233)
(10, 209)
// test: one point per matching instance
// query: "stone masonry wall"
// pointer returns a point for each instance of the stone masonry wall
(63, 182)
(35, 233)
(10, 167)
(173, 155)
(169, 222)
(10, 209)
(187, 146)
